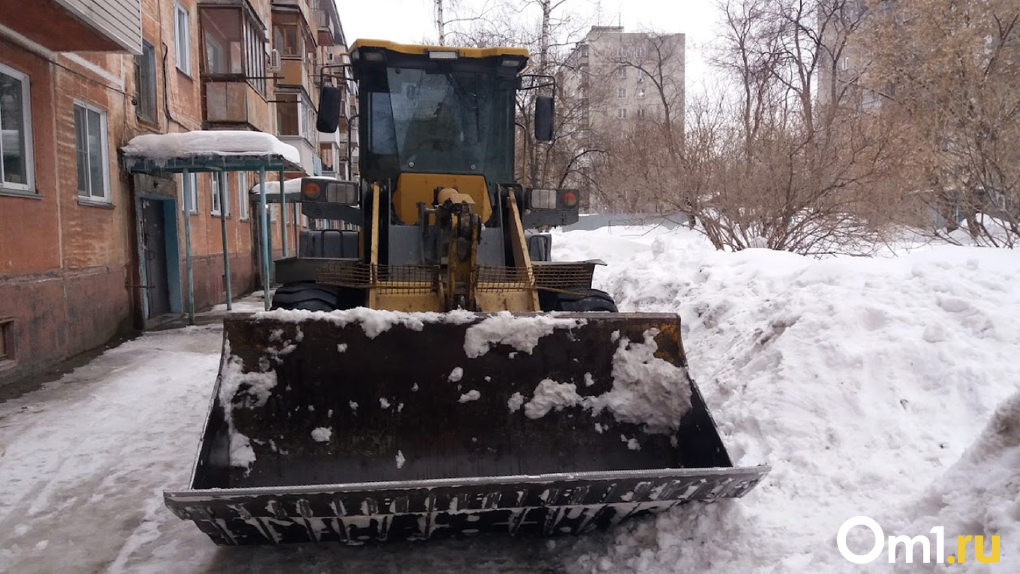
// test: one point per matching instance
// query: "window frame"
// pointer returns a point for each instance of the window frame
(104, 128)
(214, 195)
(621, 113)
(186, 59)
(621, 93)
(26, 119)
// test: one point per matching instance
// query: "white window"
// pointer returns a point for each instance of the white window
(242, 195)
(621, 113)
(16, 165)
(194, 192)
(621, 92)
(92, 155)
(621, 73)
(214, 194)
(641, 92)
(182, 38)
(641, 113)
(845, 64)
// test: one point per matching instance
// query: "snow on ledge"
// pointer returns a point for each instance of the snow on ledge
(209, 142)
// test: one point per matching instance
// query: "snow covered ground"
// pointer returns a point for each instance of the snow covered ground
(877, 387)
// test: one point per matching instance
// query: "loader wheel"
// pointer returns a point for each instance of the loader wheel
(586, 300)
(307, 297)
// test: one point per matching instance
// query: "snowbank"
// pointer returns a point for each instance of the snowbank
(860, 380)
(209, 142)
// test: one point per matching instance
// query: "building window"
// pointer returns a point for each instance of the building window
(194, 193)
(15, 131)
(621, 73)
(214, 195)
(621, 92)
(145, 83)
(6, 339)
(286, 39)
(621, 113)
(242, 195)
(182, 38)
(641, 113)
(295, 115)
(845, 63)
(91, 147)
(641, 92)
(233, 45)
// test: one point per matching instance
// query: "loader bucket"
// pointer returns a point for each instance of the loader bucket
(371, 426)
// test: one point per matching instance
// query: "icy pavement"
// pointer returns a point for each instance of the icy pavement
(877, 387)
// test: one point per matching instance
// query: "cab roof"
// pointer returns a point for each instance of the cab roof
(423, 49)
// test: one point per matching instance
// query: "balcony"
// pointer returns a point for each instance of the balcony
(77, 25)
(235, 104)
(294, 73)
(310, 161)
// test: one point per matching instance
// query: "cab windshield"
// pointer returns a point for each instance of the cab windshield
(440, 121)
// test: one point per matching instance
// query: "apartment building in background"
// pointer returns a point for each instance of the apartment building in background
(78, 80)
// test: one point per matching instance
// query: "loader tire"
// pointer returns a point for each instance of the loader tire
(585, 301)
(307, 297)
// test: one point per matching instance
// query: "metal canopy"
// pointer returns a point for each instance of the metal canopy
(222, 164)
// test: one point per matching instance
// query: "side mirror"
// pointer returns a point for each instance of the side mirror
(545, 112)
(330, 104)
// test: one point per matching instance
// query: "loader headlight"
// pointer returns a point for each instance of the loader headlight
(543, 199)
(443, 54)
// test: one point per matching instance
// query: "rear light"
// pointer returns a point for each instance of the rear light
(311, 190)
(569, 198)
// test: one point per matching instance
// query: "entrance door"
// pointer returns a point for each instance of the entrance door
(154, 245)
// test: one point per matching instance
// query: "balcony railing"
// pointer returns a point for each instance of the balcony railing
(235, 102)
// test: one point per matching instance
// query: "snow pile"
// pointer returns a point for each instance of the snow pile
(400, 459)
(455, 375)
(214, 142)
(374, 322)
(861, 381)
(521, 333)
(551, 395)
(470, 396)
(515, 402)
(646, 389)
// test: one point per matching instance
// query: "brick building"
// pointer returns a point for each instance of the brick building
(78, 80)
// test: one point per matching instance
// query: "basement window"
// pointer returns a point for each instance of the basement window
(6, 339)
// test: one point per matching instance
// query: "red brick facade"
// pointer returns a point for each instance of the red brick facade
(70, 269)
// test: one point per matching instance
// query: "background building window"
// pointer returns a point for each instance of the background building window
(621, 92)
(621, 113)
(90, 145)
(15, 131)
(233, 45)
(145, 83)
(182, 38)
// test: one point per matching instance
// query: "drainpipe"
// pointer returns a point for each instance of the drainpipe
(223, 228)
(283, 214)
(264, 237)
(187, 247)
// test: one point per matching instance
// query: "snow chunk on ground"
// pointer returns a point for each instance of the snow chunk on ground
(322, 434)
(384, 403)
(400, 459)
(470, 396)
(521, 333)
(515, 402)
(632, 443)
(456, 375)
(551, 395)
(162, 147)
(341, 348)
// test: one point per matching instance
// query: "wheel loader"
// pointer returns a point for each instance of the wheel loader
(427, 371)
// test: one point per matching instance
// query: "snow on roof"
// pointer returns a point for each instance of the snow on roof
(210, 142)
(291, 185)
